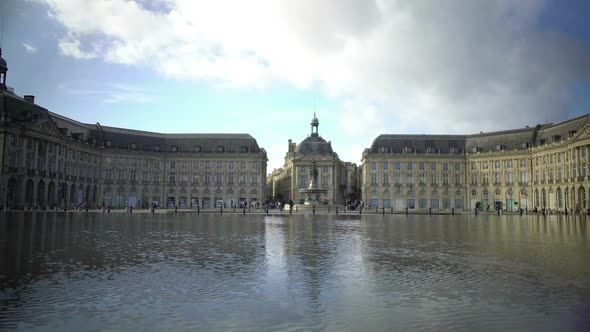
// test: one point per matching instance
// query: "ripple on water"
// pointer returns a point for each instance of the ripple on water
(292, 273)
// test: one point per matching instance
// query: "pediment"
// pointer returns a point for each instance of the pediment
(47, 127)
(583, 133)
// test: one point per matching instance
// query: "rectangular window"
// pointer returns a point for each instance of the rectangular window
(373, 179)
(184, 177)
(207, 178)
(398, 178)
(242, 165)
(385, 165)
(218, 165)
(398, 166)
(218, 178)
(207, 165)
(254, 165)
(172, 177)
(254, 178)
(410, 166)
(473, 166)
(196, 177)
(410, 178)
(421, 166)
(242, 178)
(184, 165)
(433, 166)
(156, 176)
(172, 165)
(433, 179)
(385, 178)
(457, 166)
(373, 165)
(457, 179)
(195, 164)
(422, 178)
(230, 178)
(445, 179)
(230, 165)
(445, 166)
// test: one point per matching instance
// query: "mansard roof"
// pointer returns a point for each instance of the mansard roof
(491, 141)
(113, 137)
(418, 143)
(314, 144)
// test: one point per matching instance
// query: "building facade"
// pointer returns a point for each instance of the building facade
(542, 167)
(333, 174)
(48, 160)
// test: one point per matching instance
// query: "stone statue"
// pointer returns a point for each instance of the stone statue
(313, 172)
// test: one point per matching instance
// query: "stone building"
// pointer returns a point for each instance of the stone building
(333, 174)
(48, 160)
(539, 167)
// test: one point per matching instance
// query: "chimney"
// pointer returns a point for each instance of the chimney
(29, 98)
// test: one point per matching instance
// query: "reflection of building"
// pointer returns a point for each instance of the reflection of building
(50, 160)
(333, 174)
(543, 167)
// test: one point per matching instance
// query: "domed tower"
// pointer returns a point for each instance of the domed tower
(3, 70)
(314, 125)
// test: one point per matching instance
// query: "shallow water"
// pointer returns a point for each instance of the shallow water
(68, 271)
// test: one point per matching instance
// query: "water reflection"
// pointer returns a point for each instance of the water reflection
(95, 271)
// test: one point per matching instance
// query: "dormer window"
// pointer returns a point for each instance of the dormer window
(572, 133)
(524, 145)
(174, 148)
(542, 141)
(557, 138)
(133, 146)
(156, 147)
(197, 148)
(475, 149)
(499, 147)
(244, 149)
(108, 143)
(220, 148)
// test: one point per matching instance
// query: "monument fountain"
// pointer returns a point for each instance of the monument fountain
(313, 193)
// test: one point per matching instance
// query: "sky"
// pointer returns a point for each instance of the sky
(264, 66)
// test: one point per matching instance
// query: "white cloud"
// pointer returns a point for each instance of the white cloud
(429, 66)
(30, 48)
(70, 46)
(112, 93)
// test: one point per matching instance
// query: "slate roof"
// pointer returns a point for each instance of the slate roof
(314, 144)
(508, 139)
